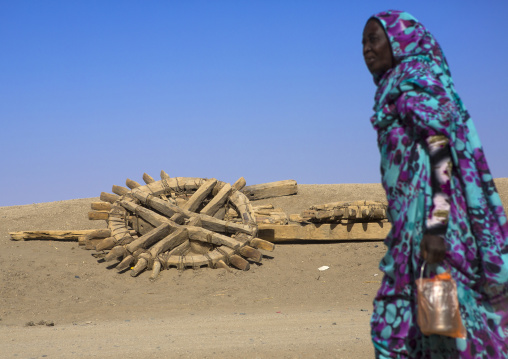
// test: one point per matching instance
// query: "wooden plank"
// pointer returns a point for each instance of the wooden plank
(70, 235)
(324, 232)
(213, 206)
(271, 189)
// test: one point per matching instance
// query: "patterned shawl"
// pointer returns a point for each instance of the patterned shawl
(419, 93)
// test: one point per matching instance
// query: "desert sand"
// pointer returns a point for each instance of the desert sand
(59, 301)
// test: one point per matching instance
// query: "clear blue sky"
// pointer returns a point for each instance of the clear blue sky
(94, 92)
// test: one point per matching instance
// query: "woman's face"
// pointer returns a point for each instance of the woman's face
(376, 48)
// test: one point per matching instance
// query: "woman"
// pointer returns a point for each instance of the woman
(442, 201)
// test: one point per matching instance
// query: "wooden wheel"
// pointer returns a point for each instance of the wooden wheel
(181, 222)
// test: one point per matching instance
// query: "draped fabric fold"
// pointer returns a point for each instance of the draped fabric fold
(415, 100)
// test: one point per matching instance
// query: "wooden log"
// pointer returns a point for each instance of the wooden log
(324, 231)
(155, 270)
(262, 207)
(151, 217)
(195, 221)
(70, 235)
(140, 266)
(146, 240)
(204, 235)
(119, 190)
(125, 263)
(239, 262)
(164, 175)
(90, 244)
(179, 250)
(197, 198)
(147, 178)
(221, 264)
(218, 225)
(164, 178)
(115, 253)
(239, 184)
(212, 207)
(100, 206)
(271, 189)
(169, 242)
(98, 215)
(262, 244)
(251, 253)
(109, 197)
(97, 234)
(166, 208)
(105, 244)
(242, 204)
(132, 184)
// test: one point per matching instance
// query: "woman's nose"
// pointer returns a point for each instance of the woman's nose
(366, 47)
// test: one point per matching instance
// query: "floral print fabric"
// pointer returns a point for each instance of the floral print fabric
(416, 103)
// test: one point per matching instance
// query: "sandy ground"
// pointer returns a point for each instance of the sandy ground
(282, 308)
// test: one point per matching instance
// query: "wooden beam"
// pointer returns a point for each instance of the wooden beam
(98, 215)
(51, 235)
(101, 206)
(271, 189)
(216, 202)
(324, 232)
(197, 198)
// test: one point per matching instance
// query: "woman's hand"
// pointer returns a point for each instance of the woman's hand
(433, 248)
